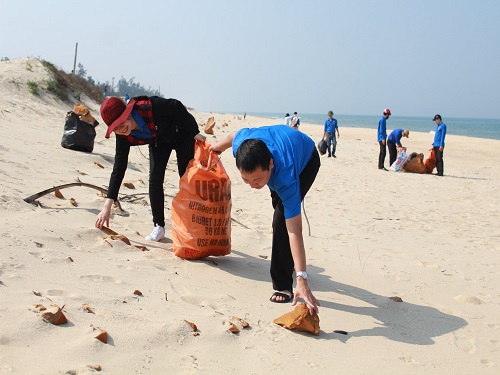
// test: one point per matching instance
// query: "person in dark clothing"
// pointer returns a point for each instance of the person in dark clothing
(287, 162)
(163, 124)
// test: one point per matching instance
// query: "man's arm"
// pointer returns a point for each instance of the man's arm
(302, 290)
(224, 144)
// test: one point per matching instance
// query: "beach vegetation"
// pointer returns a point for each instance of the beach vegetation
(33, 87)
(5, 59)
(29, 67)
(64, 85)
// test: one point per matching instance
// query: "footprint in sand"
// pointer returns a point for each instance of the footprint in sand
(100, 278)
(466, 344)
(466, 298)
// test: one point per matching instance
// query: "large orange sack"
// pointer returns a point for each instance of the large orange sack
(201, 210)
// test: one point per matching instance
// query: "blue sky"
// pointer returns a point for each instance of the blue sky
(355, 57)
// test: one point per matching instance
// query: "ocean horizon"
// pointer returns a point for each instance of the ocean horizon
(469, 127)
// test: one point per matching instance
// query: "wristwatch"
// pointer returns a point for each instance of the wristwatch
(302, 274)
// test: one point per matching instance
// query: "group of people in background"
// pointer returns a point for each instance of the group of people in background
(393, 141)
(292, 121)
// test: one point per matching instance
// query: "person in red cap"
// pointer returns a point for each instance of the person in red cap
(163, 124)
(382, 138)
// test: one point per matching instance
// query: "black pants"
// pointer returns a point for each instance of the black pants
(281, 257)
(393, 152)
(439, 161)
(381, 155)
(158, 159)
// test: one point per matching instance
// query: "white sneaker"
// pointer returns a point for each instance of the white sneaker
(157, 234)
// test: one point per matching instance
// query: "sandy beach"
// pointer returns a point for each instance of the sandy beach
(429, 240)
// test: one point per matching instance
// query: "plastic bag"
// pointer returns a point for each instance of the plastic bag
(402, 159)
(322, 146)
(201, 210)
(78, 135)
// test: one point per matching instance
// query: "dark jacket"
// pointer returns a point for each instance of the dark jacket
(173, 124)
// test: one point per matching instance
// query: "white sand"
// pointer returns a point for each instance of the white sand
(430, 240)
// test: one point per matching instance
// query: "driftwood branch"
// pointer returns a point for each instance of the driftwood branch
(32, 198)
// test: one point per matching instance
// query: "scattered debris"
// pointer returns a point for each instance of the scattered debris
(192, 325)
(58, 194)
(38, 307)
(95, 367)
(56, 318)
(209, 127)
(233, 328)
(138, 293)
(70, 259)
(102, 336)
(340, 331)
(396, 299)
(129, 185)
(73, 202)
(263, 256)
(99, 165)
(87, 309)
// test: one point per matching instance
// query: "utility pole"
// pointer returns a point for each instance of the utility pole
(74, 64)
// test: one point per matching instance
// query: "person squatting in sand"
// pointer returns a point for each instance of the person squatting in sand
(163, 124)
(394, 142)
(287, 162)
(382, 138)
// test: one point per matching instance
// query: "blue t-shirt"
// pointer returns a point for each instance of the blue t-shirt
(382, 131)
(143, 132)
(330, 125)
(396, 135)
(439, 136)
(291, 151)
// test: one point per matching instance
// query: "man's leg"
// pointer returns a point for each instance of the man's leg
(381, 156)
(281, 256)
(439, 161)
(393, 152)
(334, 144)
(329, 144)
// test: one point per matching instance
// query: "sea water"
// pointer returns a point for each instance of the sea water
(469, 127)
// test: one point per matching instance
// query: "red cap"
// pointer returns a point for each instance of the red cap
(387, 111)
(114, 112)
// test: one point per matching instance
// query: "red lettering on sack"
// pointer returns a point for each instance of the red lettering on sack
(213, 190)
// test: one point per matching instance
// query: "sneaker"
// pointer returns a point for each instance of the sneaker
(157, 234)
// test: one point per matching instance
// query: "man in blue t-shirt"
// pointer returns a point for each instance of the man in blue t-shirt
(287, 162)
(382, 137)
(438, 144)
(329, 132)
(394, 141)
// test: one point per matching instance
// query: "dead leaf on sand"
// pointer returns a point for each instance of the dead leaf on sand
(102, 336)
(38, 307)
(58, 194)
(243, 322)
(396, 299)
(37, 293)
(300, 320)
(263, 256)
(192, 325)
(70, 259)
(233, 328)
(119, 237)
(129, 185)
(95, 367)
(87, 309)
(138, 293)
(56, 318)
(82, 173)
(73, 202)
(108, 231)
(99, 165)
(143, 248)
